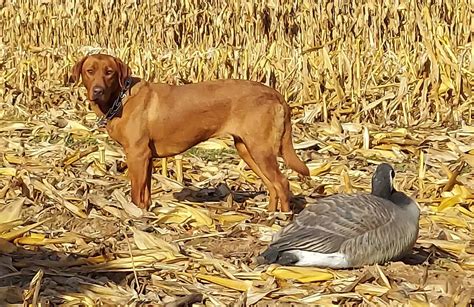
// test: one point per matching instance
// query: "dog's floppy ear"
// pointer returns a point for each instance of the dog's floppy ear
(123, 70)
(76, 70)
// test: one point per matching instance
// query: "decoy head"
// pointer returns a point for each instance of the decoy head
(382, 181)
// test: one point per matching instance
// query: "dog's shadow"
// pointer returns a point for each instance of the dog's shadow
(222, 192)
(215, 194)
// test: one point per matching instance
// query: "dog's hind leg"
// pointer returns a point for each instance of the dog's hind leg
(266, 160)
(245, 155)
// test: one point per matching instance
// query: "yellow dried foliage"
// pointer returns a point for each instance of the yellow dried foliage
(368, 82)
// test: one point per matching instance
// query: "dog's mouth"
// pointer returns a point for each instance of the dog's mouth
(98, 99)
(100, 102)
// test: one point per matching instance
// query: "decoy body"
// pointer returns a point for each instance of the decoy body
(350, 230)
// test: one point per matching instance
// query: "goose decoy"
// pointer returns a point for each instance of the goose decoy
(350, 230)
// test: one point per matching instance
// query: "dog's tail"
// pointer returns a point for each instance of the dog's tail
(288, 151)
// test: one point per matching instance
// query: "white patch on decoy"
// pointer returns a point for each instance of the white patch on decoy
(332, 260)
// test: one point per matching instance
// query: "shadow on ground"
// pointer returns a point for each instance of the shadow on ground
(222, 192)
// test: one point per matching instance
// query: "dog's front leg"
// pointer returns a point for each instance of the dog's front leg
(139, 170)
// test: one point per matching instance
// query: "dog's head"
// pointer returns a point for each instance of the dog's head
(103, 76)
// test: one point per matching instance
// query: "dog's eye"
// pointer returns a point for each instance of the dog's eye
(109, 72)
(90, 71)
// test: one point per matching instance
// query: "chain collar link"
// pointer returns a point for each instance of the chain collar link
(101, 122)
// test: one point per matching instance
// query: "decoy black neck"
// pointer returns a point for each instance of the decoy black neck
(382, 189)
(400, 199)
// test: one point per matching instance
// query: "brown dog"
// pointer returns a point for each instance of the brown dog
(159, 120)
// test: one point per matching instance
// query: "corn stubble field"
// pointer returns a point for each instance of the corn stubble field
(367, 82)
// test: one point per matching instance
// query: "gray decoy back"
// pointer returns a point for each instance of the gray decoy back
(350, 230)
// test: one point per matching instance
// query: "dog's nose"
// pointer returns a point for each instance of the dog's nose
(98, 91)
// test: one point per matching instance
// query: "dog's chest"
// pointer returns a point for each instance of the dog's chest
(114, 132)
